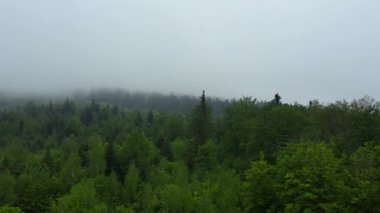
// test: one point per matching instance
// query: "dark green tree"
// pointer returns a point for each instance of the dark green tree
(201, 121)
(150, 118)
(138, 119)
(240, 122)
(110, 159)
(277, 99)
(200, 127)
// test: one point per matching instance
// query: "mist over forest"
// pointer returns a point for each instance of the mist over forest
(209, 106)
(133, 100)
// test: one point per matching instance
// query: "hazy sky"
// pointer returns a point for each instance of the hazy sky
(303, 49)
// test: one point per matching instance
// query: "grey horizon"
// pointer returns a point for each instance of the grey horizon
(326, 50)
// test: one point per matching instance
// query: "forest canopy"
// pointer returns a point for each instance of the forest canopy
(113, 151)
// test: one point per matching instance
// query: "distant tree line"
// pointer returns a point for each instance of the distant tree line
(152, 101)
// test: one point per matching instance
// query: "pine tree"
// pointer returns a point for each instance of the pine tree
(201, 128)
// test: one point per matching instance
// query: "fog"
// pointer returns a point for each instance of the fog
(326, 50)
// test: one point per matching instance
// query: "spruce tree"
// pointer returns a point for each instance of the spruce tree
(201, 128)
(201, 121)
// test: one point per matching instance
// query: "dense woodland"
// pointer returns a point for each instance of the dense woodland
(112, 155)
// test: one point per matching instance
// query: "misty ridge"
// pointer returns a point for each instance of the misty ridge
(132, 100)
(141, 100)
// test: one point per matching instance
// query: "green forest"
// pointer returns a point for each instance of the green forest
(108, 152)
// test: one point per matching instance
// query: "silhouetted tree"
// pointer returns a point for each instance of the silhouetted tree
(277, 99)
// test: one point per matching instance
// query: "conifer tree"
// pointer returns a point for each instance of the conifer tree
(277, 99)
(200, 126)
(201, 121)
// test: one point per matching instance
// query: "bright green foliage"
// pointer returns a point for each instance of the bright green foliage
(179, 173)
(259, 192)
(366, 163)
(100, 208)
(96, 152)
(9, 209)
(219, 190)
(147, 199)
(173, 198)
(179, 148)
(305, 179)
(131, 184)
(366, 178)
(308, 178)
(160, 175)
(71, 172)
(7, 188)
(82, 198)
(123, 209)
(108, 189)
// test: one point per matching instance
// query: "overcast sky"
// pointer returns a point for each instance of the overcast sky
(303, 49)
